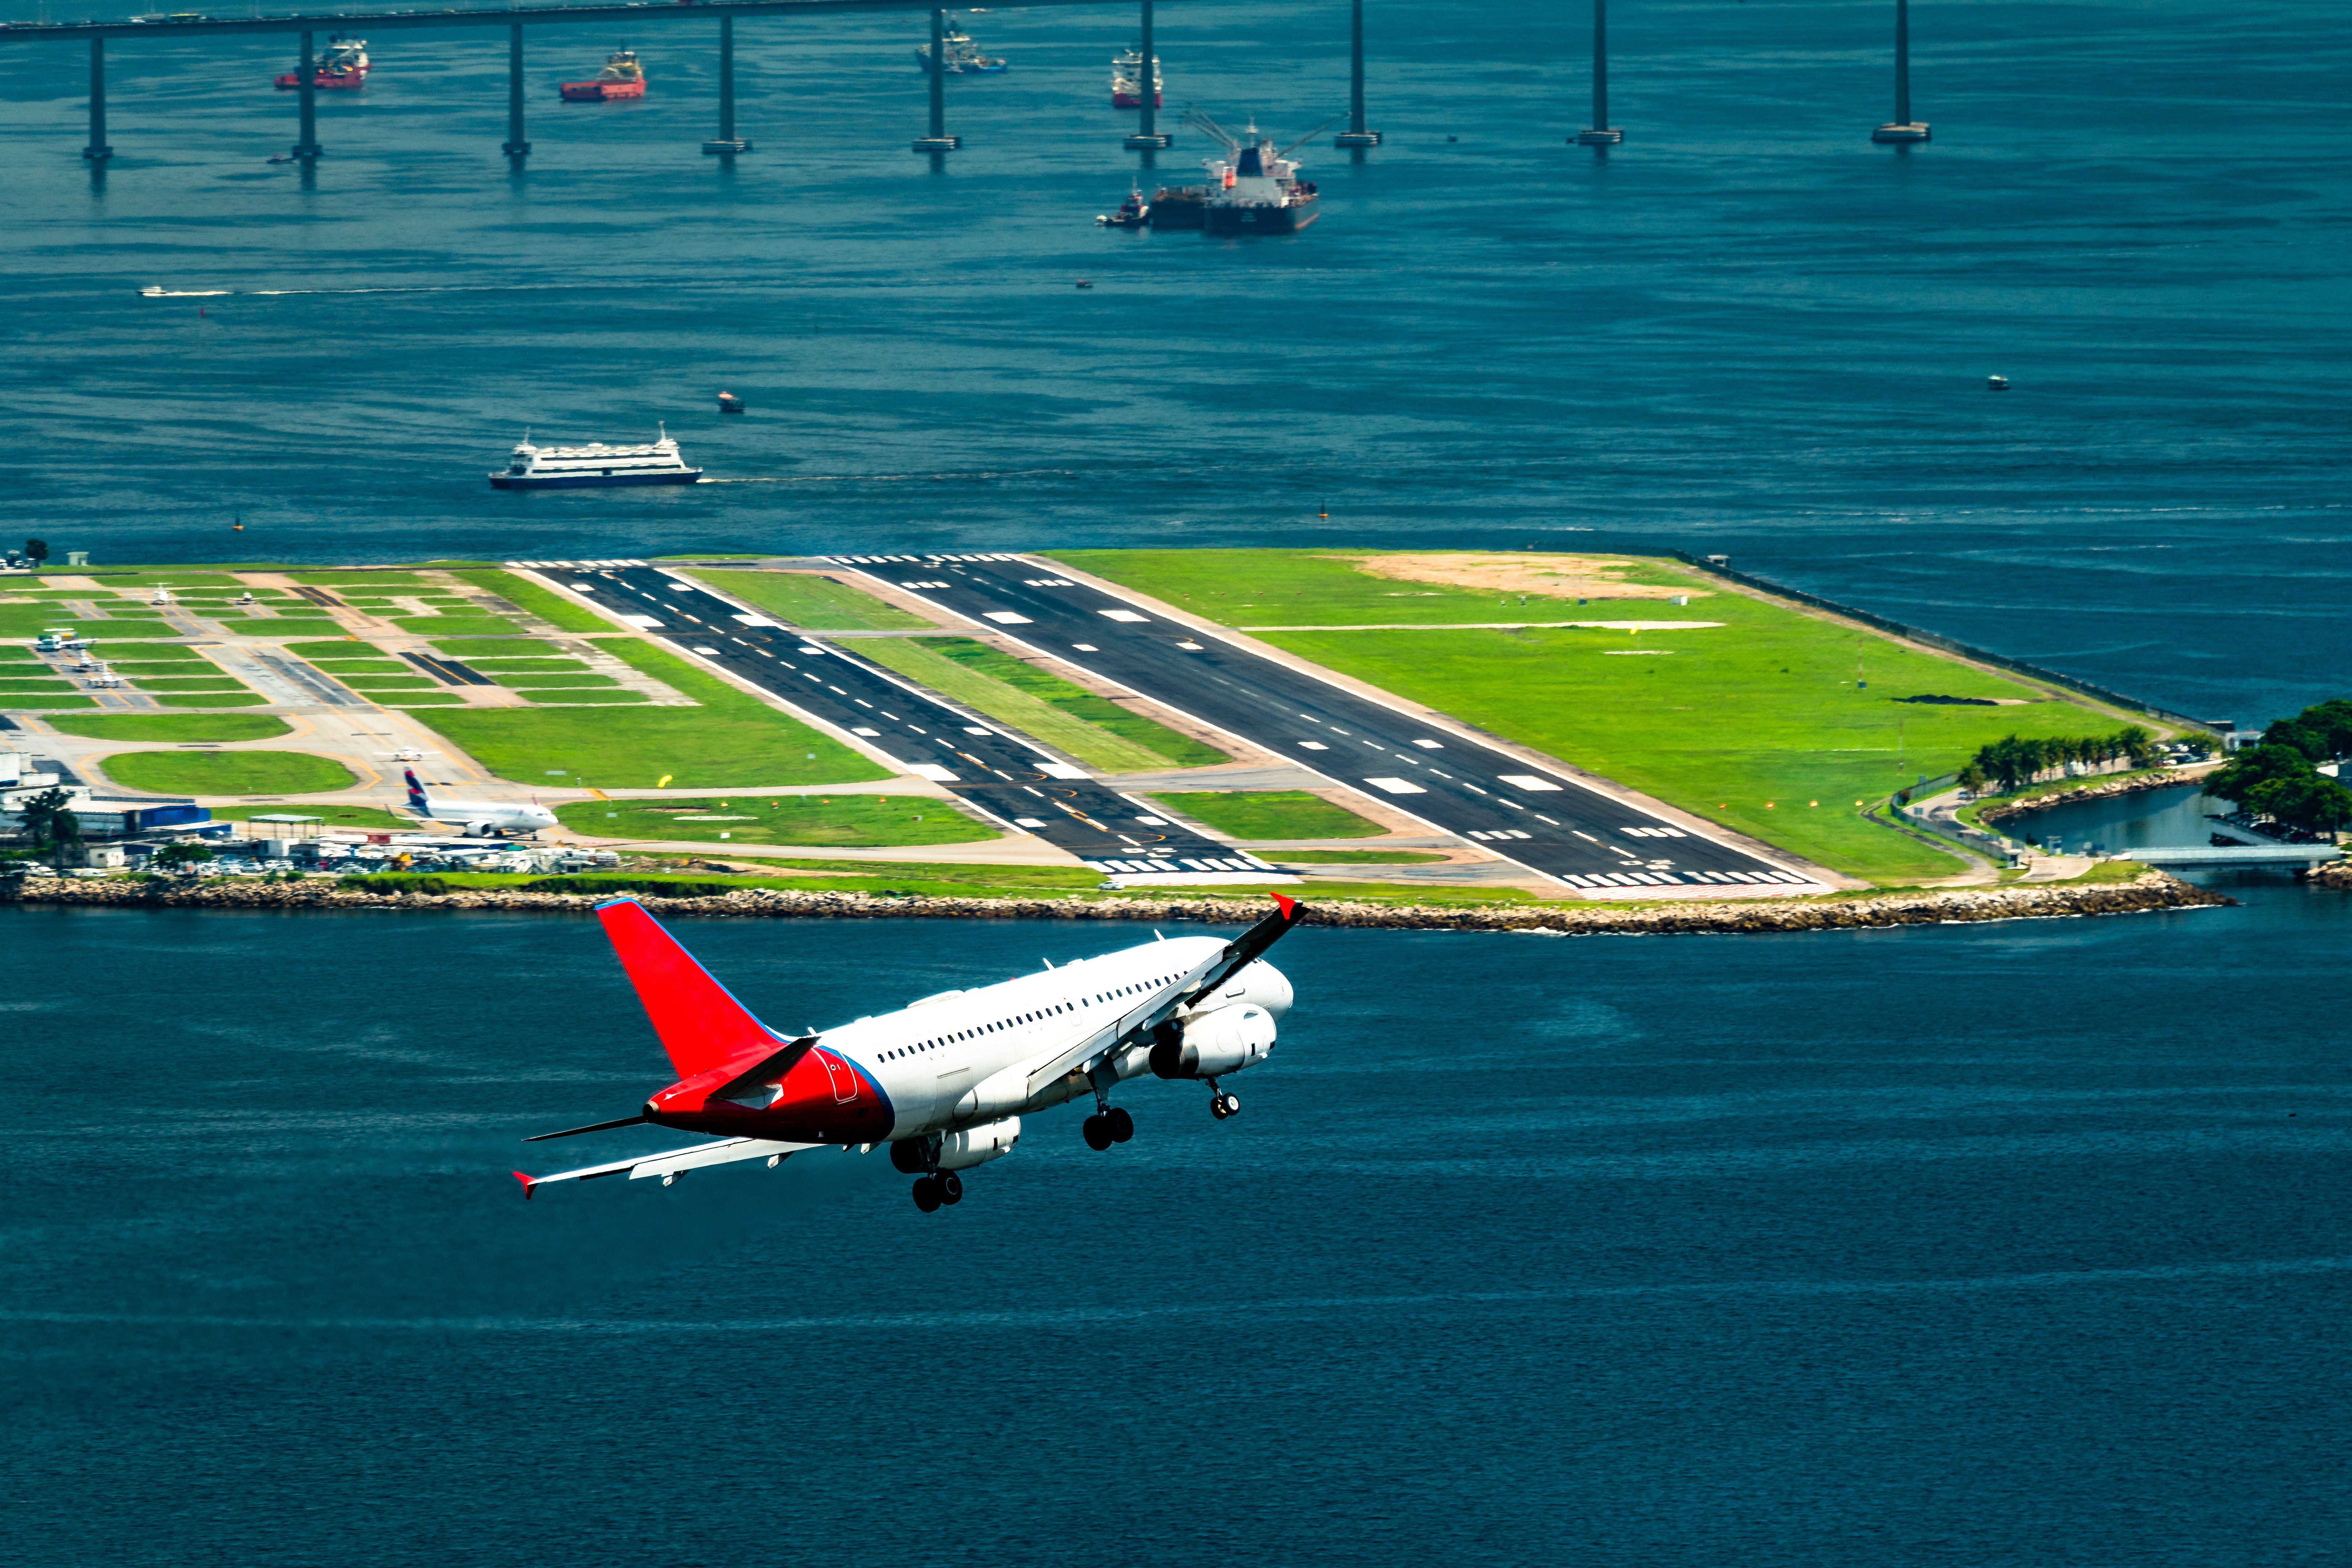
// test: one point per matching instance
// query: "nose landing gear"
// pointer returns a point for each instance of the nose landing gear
(1221, 1104)
(1107, 1127)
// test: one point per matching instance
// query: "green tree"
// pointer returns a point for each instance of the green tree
(2256, 766)
(181, 857)
(50, 822)
(2311, 803)
(1973, 777)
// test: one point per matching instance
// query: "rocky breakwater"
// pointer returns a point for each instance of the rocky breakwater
(2150, 890)
(2002, 811)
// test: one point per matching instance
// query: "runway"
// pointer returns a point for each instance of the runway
(1008, 777)
(1546, 821)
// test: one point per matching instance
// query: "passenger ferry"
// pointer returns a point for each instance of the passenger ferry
(1126, 81)
(569, 468)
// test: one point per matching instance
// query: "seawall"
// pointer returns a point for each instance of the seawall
(2149, 891)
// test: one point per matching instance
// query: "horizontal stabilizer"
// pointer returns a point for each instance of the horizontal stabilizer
(599, 1126)
(699, 1023)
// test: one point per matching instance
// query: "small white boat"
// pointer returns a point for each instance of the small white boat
(1996, 384)
(573, 468)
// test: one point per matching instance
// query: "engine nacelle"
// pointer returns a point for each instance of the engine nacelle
(961, 1151)
(1260, 982)
(1208, 1045)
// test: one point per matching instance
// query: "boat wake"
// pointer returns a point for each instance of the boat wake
(157, 291)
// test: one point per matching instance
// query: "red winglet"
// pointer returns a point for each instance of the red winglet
(1287, 906)
(528, 1187)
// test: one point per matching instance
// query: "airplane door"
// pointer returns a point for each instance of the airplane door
(844, 1079)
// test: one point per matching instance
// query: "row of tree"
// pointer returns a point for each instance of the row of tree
(2014, 761)
(2280, 779)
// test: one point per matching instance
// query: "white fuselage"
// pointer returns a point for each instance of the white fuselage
(494, 816)
(965, 1057)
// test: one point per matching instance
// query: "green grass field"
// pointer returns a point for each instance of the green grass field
(10, 687)
(212, 699)
(847, 821)
(182, 727)
(1761, 723)
(359, 578)
(342, 667)
(567, 696)
(1167, 745)
(731, 739)
(1308, 587)
(819, 604)
(389, 683)
(169, 577)
(442, 628)
(1271, 813)
(550, 679)
(492, 648)
(976, 675)
(219, 683)
(553, 608)
(228, 773)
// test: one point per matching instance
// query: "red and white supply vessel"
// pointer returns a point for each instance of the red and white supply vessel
(621, 76)
(1125, 76)
(342, 65)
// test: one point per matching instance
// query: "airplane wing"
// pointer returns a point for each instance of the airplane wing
(1156, 1010)
(674, 1162)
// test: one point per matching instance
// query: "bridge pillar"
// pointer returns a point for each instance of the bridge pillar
(515, 147)
(1356, 135)
(939, 141)
(728, 143)
(1148, 138)
(1902, 128)
(306, 86)
(98, 152)
(1599, 133)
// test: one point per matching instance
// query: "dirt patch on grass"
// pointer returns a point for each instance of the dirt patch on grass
(1553, 577)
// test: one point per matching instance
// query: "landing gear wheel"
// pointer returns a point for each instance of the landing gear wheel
(1231, 1103)
(951, 1187)
(1096, 1129)
(1217, 1106)
(926, 1193)
(1122, 1125)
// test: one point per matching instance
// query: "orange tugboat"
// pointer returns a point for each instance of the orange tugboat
(621, 76)
(343, 65)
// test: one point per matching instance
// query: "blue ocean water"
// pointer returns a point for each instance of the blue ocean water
(2003, 1243)
(2006, 1244)
(1748, 330)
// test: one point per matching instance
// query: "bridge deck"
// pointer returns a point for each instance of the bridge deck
(2236, 855)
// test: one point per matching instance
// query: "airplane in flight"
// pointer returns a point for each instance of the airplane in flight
(944, 1080)
(481, 817)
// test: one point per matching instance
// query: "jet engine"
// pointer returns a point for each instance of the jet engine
(961, 1151)
(1207, 1045)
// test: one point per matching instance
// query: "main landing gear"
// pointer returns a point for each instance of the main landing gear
(1110, 1125)
(939, 1187)
(1221, 1104)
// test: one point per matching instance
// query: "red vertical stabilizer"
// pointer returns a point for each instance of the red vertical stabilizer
(700, 1026)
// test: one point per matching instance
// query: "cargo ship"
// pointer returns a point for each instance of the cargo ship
(963, 56)
(1126, 73)
(1254, 189)
(342, 65)
(621, 76)
(573, 468)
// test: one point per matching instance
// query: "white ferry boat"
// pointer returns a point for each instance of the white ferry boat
(560, 467)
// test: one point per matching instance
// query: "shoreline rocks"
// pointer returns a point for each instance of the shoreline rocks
(2164, 780)
(2149, 891)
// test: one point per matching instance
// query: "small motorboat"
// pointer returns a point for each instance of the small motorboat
(729, 404)
(1086, 283)
(1996, 384)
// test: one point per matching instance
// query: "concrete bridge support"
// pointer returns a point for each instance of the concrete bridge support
(1902, 128)
(1148, 138)
(728, 143)
(1356, 135)
(306, 88)
(515, 147)
(98, 152)
(939, 141)
(1599, 133)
